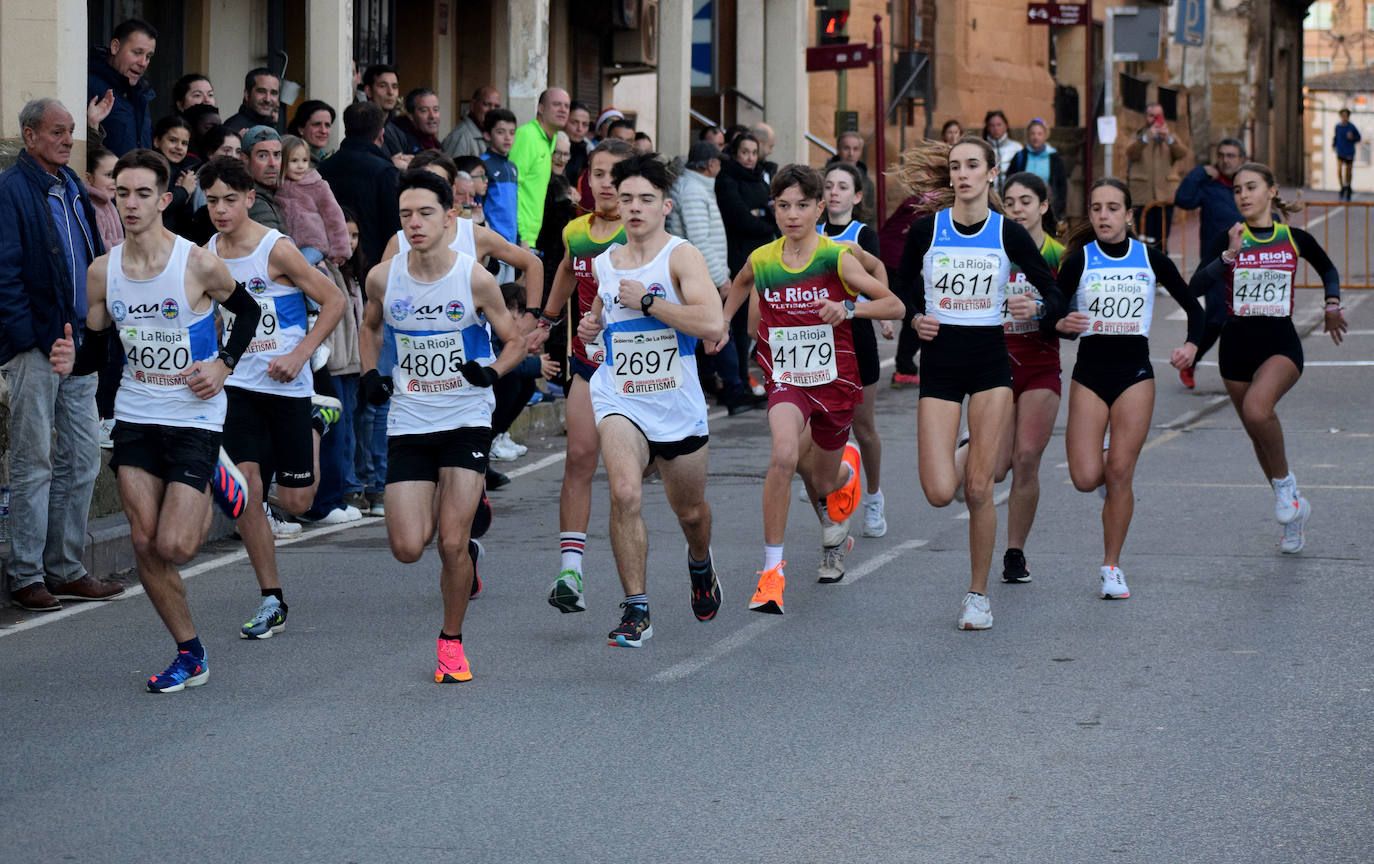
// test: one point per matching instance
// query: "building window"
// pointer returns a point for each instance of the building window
(1369, 17)
(374, 25)
(1318, 16)
(1314, 66)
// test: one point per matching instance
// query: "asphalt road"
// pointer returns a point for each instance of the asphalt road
(1220, 714)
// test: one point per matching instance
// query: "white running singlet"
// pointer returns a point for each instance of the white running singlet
(162, 336)
(464, 239)
(650, 373)
(430, 330)
(1117, 293)
(966, 276)
(280, 329)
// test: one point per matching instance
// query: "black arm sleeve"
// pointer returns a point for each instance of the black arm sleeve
(1309, 248)
(1070, 273)
(910, 286)
(1023, 253)
(94, 350)
(868, 241)
(246, 314)
(1167, 274)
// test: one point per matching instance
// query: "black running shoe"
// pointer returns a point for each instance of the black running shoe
(634, 627)
(705, 593)
(1014, 567)
(481, 520)
(475, 551)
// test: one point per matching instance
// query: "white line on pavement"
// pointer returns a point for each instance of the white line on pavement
(1207, 407)
(746, 634)
(204, 566)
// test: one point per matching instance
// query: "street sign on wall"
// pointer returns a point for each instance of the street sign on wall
(1057, 14)
(1190, 28)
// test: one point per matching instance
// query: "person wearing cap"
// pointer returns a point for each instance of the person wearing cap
(603, 121)
(532, 154)
(696, 217)
(262, 154)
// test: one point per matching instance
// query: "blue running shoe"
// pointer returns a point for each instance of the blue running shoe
(227, 486)
(634, 627)
(270, 619)
(186, 671)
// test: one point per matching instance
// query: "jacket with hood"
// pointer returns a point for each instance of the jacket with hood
(130, 122)
(696, 217)
(1053, 163)
(739, 193)
(313, 216)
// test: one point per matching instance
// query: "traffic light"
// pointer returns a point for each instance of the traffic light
(832, 16)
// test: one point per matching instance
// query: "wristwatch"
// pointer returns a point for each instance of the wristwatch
(848, 309)
(227, 359)
(645, 302)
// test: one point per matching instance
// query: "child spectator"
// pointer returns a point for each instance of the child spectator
(312, 215)
(172, 138)
(100, 184)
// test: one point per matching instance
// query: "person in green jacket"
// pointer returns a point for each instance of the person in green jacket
(532, 154)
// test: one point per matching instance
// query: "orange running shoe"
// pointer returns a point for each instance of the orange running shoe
(453, 663)
(768, 596)
(842, 503)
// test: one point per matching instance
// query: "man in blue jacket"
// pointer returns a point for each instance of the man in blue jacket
(121, 71)
(47, 240)
(1344, 141)
(1207, 189)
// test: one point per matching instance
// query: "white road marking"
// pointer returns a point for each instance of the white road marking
(747, 633)
(203, 567)
(1207, 407)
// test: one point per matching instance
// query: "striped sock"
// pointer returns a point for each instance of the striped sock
(570, 546)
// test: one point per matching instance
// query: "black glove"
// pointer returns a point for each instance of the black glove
(373, 388)
(479, 375)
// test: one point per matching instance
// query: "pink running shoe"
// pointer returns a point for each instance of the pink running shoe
(453, 664)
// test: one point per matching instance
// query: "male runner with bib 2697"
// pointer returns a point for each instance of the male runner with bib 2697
(157, 293)
(274, 421)
(802, 289)
(654, 299)
(424, 321)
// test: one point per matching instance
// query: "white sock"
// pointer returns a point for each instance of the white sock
(772, 556)
(570, 546)
(876, 496)
(1289, 481)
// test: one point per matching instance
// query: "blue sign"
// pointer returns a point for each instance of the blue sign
(703, 44)
(1191, 26)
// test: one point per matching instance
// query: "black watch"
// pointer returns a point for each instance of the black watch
(645, 302)
(227, 359)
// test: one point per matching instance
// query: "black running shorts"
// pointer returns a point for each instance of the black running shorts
(275, 432)
(1247, 342)
(173, 453)
(419, 457)
(1108, 365)
(961, 361)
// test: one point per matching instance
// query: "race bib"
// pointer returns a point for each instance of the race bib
(645, 362)
(428, 364)
(803, 356)
(1259, 292)
(1019, 285)
(1117, 307)
(965, 283)
(265, 338)
(157, 356)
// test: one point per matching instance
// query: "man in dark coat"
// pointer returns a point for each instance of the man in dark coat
(120, 71)
(261, 101)
(48, 239)
(363, 179)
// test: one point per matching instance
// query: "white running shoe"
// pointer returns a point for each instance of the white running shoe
(832, 562)
(832, 533)
(340, 515)
(1293, 539)
(501, 451)
(1113, 584)
(106, 429)
(1286, 499)
(280, 529)
(977, 614)
(875, 523)
(520, 449)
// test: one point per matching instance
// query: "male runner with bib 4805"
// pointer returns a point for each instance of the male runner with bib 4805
(156, 292)
(272, 406)
(424, 322)
(654, 299)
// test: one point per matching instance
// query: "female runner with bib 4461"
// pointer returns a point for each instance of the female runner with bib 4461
(1261, 354)
(1114, 278)
(953, 278)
